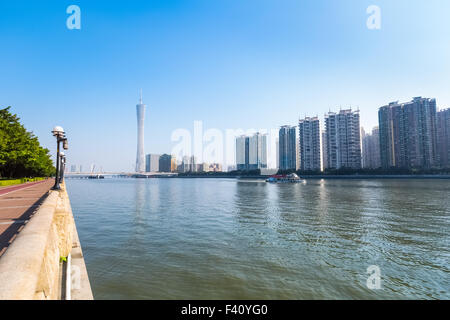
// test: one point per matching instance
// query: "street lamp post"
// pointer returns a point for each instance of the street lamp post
(63, 167)
(63, 158)
(59, 134)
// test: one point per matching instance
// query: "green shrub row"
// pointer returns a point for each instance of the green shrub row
(4, 183)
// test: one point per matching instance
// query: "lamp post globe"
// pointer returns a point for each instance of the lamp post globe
(58, 131)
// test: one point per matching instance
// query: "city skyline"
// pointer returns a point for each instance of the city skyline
(234, 70)
(339, 135)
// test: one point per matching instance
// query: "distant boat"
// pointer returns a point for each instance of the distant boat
(285, 178)
(98, 176)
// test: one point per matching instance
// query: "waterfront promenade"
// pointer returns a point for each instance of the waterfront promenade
(17, 205)
(40, 256)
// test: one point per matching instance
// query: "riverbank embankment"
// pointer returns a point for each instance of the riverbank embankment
(43, 260)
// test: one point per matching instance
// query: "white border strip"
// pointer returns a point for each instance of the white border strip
(69, 278)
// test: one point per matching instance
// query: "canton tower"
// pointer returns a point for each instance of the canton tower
(140, 158)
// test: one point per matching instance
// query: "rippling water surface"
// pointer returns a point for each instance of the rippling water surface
(237, 239)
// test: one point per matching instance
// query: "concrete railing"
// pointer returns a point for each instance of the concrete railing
(31, 268)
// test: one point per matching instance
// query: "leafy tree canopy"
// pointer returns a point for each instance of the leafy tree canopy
(21, 155)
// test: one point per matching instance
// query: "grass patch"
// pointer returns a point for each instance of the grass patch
(5, 183)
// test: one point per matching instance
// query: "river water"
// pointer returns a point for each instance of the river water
(237, 239)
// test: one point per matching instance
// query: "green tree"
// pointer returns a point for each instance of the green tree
(21, 155)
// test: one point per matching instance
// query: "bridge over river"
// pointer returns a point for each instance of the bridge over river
(96, 175)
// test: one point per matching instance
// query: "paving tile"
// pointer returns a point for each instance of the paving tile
(17, 205)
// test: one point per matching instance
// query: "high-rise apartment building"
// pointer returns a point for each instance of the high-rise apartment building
(215, 167)
(204, 167)
(251, 152)
(392, 140)
(194, 165)
(371, 149)
(324, 151)
(443, 138)
(257, 154)
(152, 162)
(277, 153)
(185, 165)
(287, 148)
(342, 138)
(189, 164)
(173, 164)
(309, 144)
(408, 134)
(167, 163)
(241, 153)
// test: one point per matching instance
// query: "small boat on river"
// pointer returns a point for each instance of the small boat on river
(285, 178)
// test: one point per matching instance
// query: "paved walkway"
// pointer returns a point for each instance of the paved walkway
(17, 205)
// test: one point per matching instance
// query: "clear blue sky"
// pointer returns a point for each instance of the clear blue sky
(230, 63)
